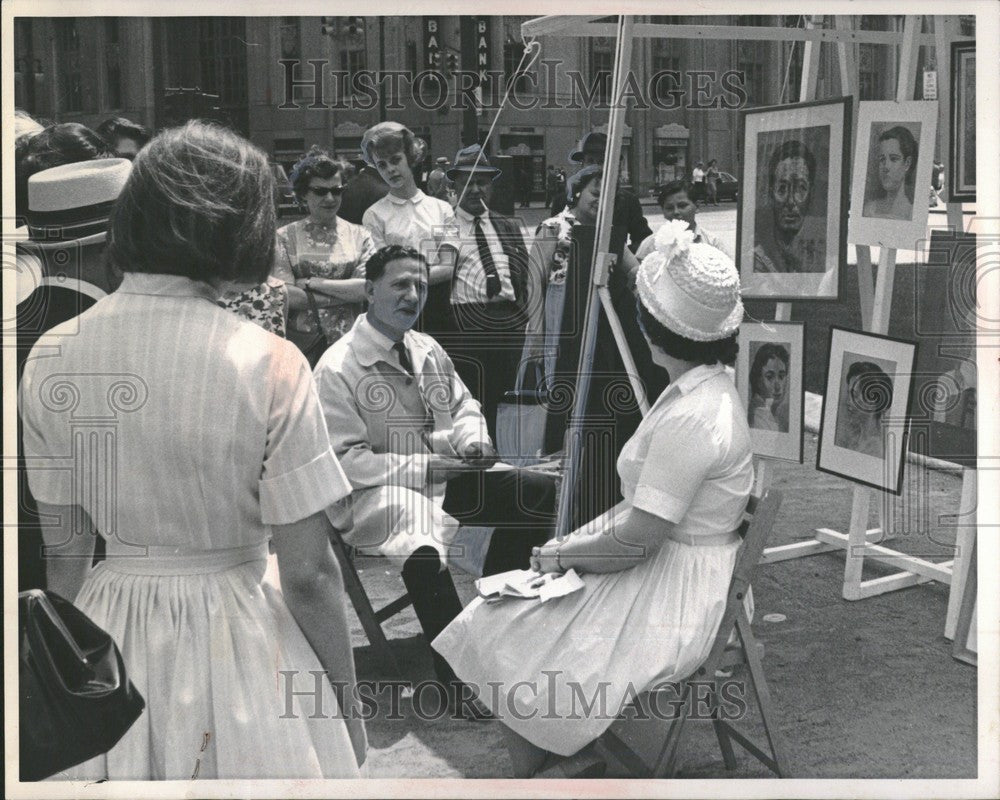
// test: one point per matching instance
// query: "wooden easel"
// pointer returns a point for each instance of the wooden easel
(861, 542)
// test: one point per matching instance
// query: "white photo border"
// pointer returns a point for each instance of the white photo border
(806, 286)
(844, 462)
(906, 234)
(773, 444)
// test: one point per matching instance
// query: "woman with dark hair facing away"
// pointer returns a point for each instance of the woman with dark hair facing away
(656, 567)
(894, 161)
(124, 137)
(408, 217)
(768, 408)
(322, 254)
(868, 396)
(220, 445)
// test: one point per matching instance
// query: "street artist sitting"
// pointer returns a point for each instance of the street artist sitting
(413, 443)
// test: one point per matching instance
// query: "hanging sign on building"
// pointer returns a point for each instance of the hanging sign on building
(432, 43)
(484, 55)
(484, 58)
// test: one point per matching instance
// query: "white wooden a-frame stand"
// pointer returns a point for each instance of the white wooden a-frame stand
(861, 542)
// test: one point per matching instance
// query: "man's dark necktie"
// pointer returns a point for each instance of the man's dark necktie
(404, 357)
(486, 258)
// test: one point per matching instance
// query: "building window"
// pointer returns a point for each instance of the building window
(662, 20)
(223, 59)
(750, 59)
(68, 55)
(512, 54)
(663, 60)
(112, 63)
(352, 61)
(291, 37)
(601, 68)
(870, 86)
(24, 66)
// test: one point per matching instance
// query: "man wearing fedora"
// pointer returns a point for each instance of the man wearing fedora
(61, 272)
(628, 211)
(438, 182)
(489, 287)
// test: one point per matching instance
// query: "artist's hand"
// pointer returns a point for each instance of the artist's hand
(480, 454)
(544, 558)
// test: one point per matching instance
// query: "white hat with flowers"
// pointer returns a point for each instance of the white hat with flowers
(690, 287)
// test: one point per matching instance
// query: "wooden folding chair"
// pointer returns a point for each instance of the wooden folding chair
(371, 620)
(727, 653)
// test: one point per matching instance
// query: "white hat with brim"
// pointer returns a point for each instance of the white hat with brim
(73, 202)
(690, 287)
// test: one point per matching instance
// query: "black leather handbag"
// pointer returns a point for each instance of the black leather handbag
(76, 701)
(312, 345)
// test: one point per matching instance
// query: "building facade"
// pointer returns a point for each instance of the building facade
(262, 75)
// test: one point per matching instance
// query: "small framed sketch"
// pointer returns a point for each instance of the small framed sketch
(769, 379)
(893, 157)
(865, 419)
(962, 161)
(791, 227)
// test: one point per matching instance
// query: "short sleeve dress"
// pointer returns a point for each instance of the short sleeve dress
(190, 432)
(306, 249)
(537, 666)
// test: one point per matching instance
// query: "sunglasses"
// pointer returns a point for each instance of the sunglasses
(322, 191)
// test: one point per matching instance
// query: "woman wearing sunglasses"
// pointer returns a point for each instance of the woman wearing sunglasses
(322, 255)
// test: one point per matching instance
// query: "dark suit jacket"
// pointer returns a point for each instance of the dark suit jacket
(512, 242)
(628, 214)
(363, 191)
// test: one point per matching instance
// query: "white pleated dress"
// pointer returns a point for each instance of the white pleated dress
(185, 433)
(538, 666)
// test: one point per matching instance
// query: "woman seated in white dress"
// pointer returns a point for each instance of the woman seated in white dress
(657, 567)
(211, 440)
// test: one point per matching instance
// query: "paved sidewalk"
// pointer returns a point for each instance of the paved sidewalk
(863, 689)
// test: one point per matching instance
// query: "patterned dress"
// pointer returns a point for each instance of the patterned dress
(265, 304)
(306, 249)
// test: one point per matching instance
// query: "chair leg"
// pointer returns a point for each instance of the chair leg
(762, 693)
(725, 744)
(363, 608)
(666, 763)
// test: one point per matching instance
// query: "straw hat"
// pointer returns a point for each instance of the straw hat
(73, 202)
(690, 287)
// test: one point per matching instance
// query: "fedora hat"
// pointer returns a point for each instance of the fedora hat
(594, 142)
(465, 163)
(73, 202)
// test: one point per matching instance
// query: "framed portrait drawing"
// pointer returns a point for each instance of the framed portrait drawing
(962, 158)
(769, 378)
(893, 157)
(791, 221)
(865, 419)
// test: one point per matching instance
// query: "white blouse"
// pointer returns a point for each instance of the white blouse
(690, 461)
(421, 222)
